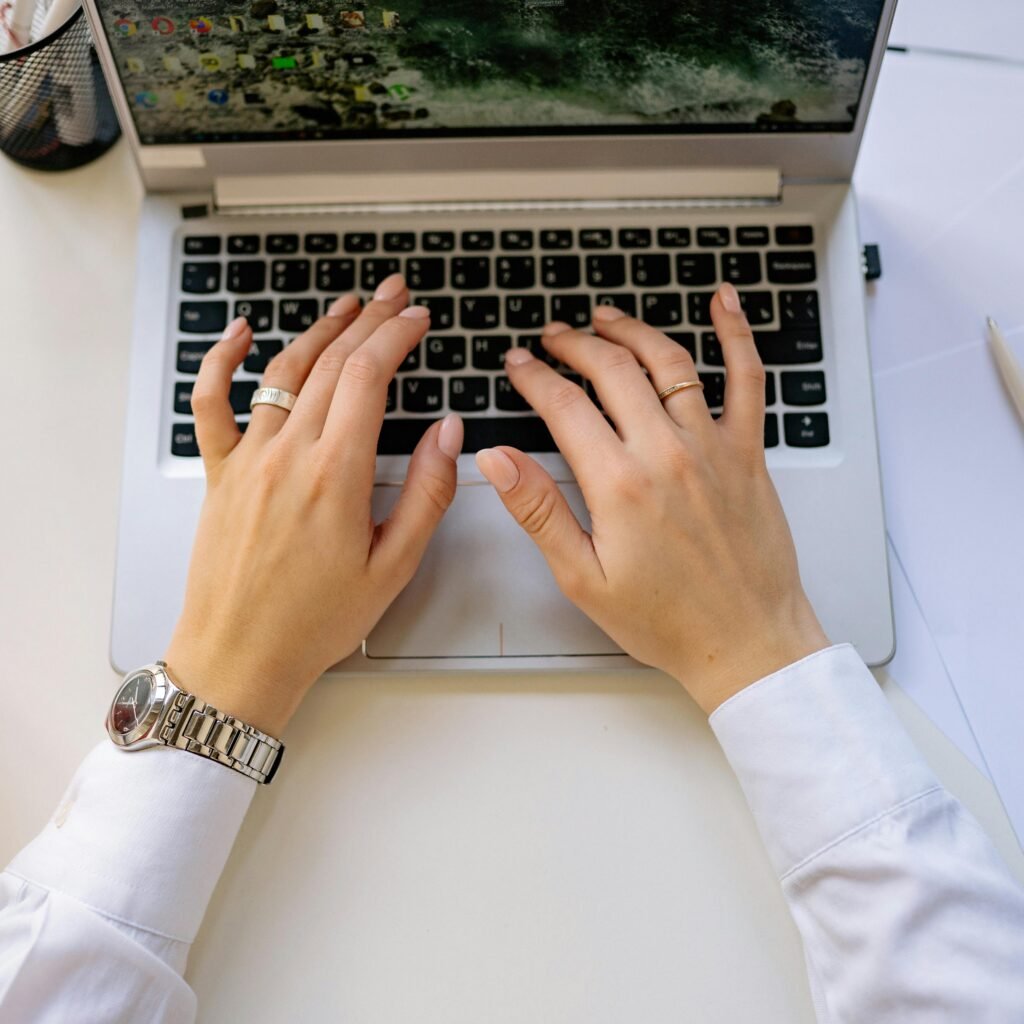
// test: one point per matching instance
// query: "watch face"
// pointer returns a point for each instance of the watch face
(132, 703)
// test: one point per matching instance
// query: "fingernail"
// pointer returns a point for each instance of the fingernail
(390, 288)
(343, 306)
(449, 437)
(415, 312)
(235, 328)
(730, 298)
(501, 472)
(556, 327)
(608, 313)
(517, 356)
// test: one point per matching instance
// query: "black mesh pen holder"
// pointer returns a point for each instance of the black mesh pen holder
(55, 110)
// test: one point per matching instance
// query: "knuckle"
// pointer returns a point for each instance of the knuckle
(615, 359)
(332, 362)
(204, 401)
(438, 489)
(631, 483)
(534, 511)
(281, 362)
(363, 368)
(564, 395)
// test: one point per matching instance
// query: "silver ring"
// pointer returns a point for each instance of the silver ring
(680, 387)
(273, 396)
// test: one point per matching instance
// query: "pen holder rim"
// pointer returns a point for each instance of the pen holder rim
(27, 51)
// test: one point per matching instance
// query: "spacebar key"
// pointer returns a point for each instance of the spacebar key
(399, 437)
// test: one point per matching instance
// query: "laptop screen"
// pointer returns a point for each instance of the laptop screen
(268, 70)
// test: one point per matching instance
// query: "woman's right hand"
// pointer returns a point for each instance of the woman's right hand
(689, 565)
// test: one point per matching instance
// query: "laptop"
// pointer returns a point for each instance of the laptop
(518, 161)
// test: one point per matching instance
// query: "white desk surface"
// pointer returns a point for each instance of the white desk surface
(505, 849)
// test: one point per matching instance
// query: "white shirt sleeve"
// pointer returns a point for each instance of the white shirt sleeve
(906, 911)
(100, 909)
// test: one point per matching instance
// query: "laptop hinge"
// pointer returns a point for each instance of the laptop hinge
(581, 189)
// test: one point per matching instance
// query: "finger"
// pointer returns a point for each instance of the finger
(426, 495)
(533, 498)
(582, 434)
(216, 430)
(745, 375)
(666, 361)
(315, 399)
(625, 392)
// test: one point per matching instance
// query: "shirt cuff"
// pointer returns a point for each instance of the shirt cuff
(141, 836)
(818, 753)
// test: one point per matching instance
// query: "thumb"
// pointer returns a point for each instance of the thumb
(528, 491)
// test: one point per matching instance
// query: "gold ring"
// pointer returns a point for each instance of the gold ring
(680, 387)
(273, 396)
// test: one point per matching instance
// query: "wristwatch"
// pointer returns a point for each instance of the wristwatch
(150, 709)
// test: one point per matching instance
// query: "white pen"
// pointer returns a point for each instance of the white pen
(1009, 368)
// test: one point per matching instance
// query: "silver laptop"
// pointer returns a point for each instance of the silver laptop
(518, 161)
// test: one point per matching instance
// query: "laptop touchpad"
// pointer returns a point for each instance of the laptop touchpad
(483, 590)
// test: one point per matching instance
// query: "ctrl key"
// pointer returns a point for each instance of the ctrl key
(806, 429)
(183, 440)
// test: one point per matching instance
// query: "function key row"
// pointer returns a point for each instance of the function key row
(284, 244)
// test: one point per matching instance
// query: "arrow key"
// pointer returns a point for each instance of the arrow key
(806, 429)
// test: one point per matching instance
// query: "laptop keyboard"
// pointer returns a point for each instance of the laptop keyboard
(489, 290)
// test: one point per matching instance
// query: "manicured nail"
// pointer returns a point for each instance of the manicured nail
(415, 312)
(449, 437)
(344, 305)
(730, 298)
(235, 328)
(517, 356)
(556, 327)
(606, 314)
(501, 472)
(390, 288)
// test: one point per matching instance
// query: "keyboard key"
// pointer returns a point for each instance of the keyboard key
(411, 361)
(507, 399)
(243, 245)
(789, 346)
(373, 271)
(259, 313)
(571, 309)
(190, 355)
(445, 352)
(759, 307)
(651, 270)
(685, 338)
(477, 241)
(336, 275)
(806, 429)
(422, 394)
(489, 351)
(361, 241)
(794, 234)
(711, 349)
(183, 397)
(791, 267)
(513, 240)
(634, 238)
(202, 245)
(392, 400)
(260, 353)
(425, 274)
(469, 394)
(713, 238)
(771, 430)
(714, 389)
(741, 267)
(442, 310)
(516, 272)
(524, 311)
(752, 236)
(241, 395)
(626, 301)
(399, 241)
(798, 309)
(662, 309)
(535, 344)
(606, 271)
(674, 238)
(698, 307)
(246, 276)
(438, 241)
(560, 271)
(769, 389)
(555, 239)
(183, 440)
(471, 273)
(282, 245)
(479, 312)
(322, 243)
(696, 270)
(289, 275)
(202, 317)
(200, 278)
(805, 387)
(296, 315)
(528, 433)
(595, 238)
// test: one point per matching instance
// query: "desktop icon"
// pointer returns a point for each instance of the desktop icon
(182, 99)
(162, 26)
(253, 99)
(125, 27)
(284, 63)
(400, 92)
(218, 97)
(353, 19)
(134, 66)
(235, 23)
(391, 20)
(172, 64)
(146, 100)
(209, 62)
(275, 23)
(246, 61)
(201, 26)
(314, 22)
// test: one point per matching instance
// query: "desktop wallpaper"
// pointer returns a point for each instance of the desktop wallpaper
(281, 69)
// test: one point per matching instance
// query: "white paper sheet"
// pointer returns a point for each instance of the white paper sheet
(990, 27)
